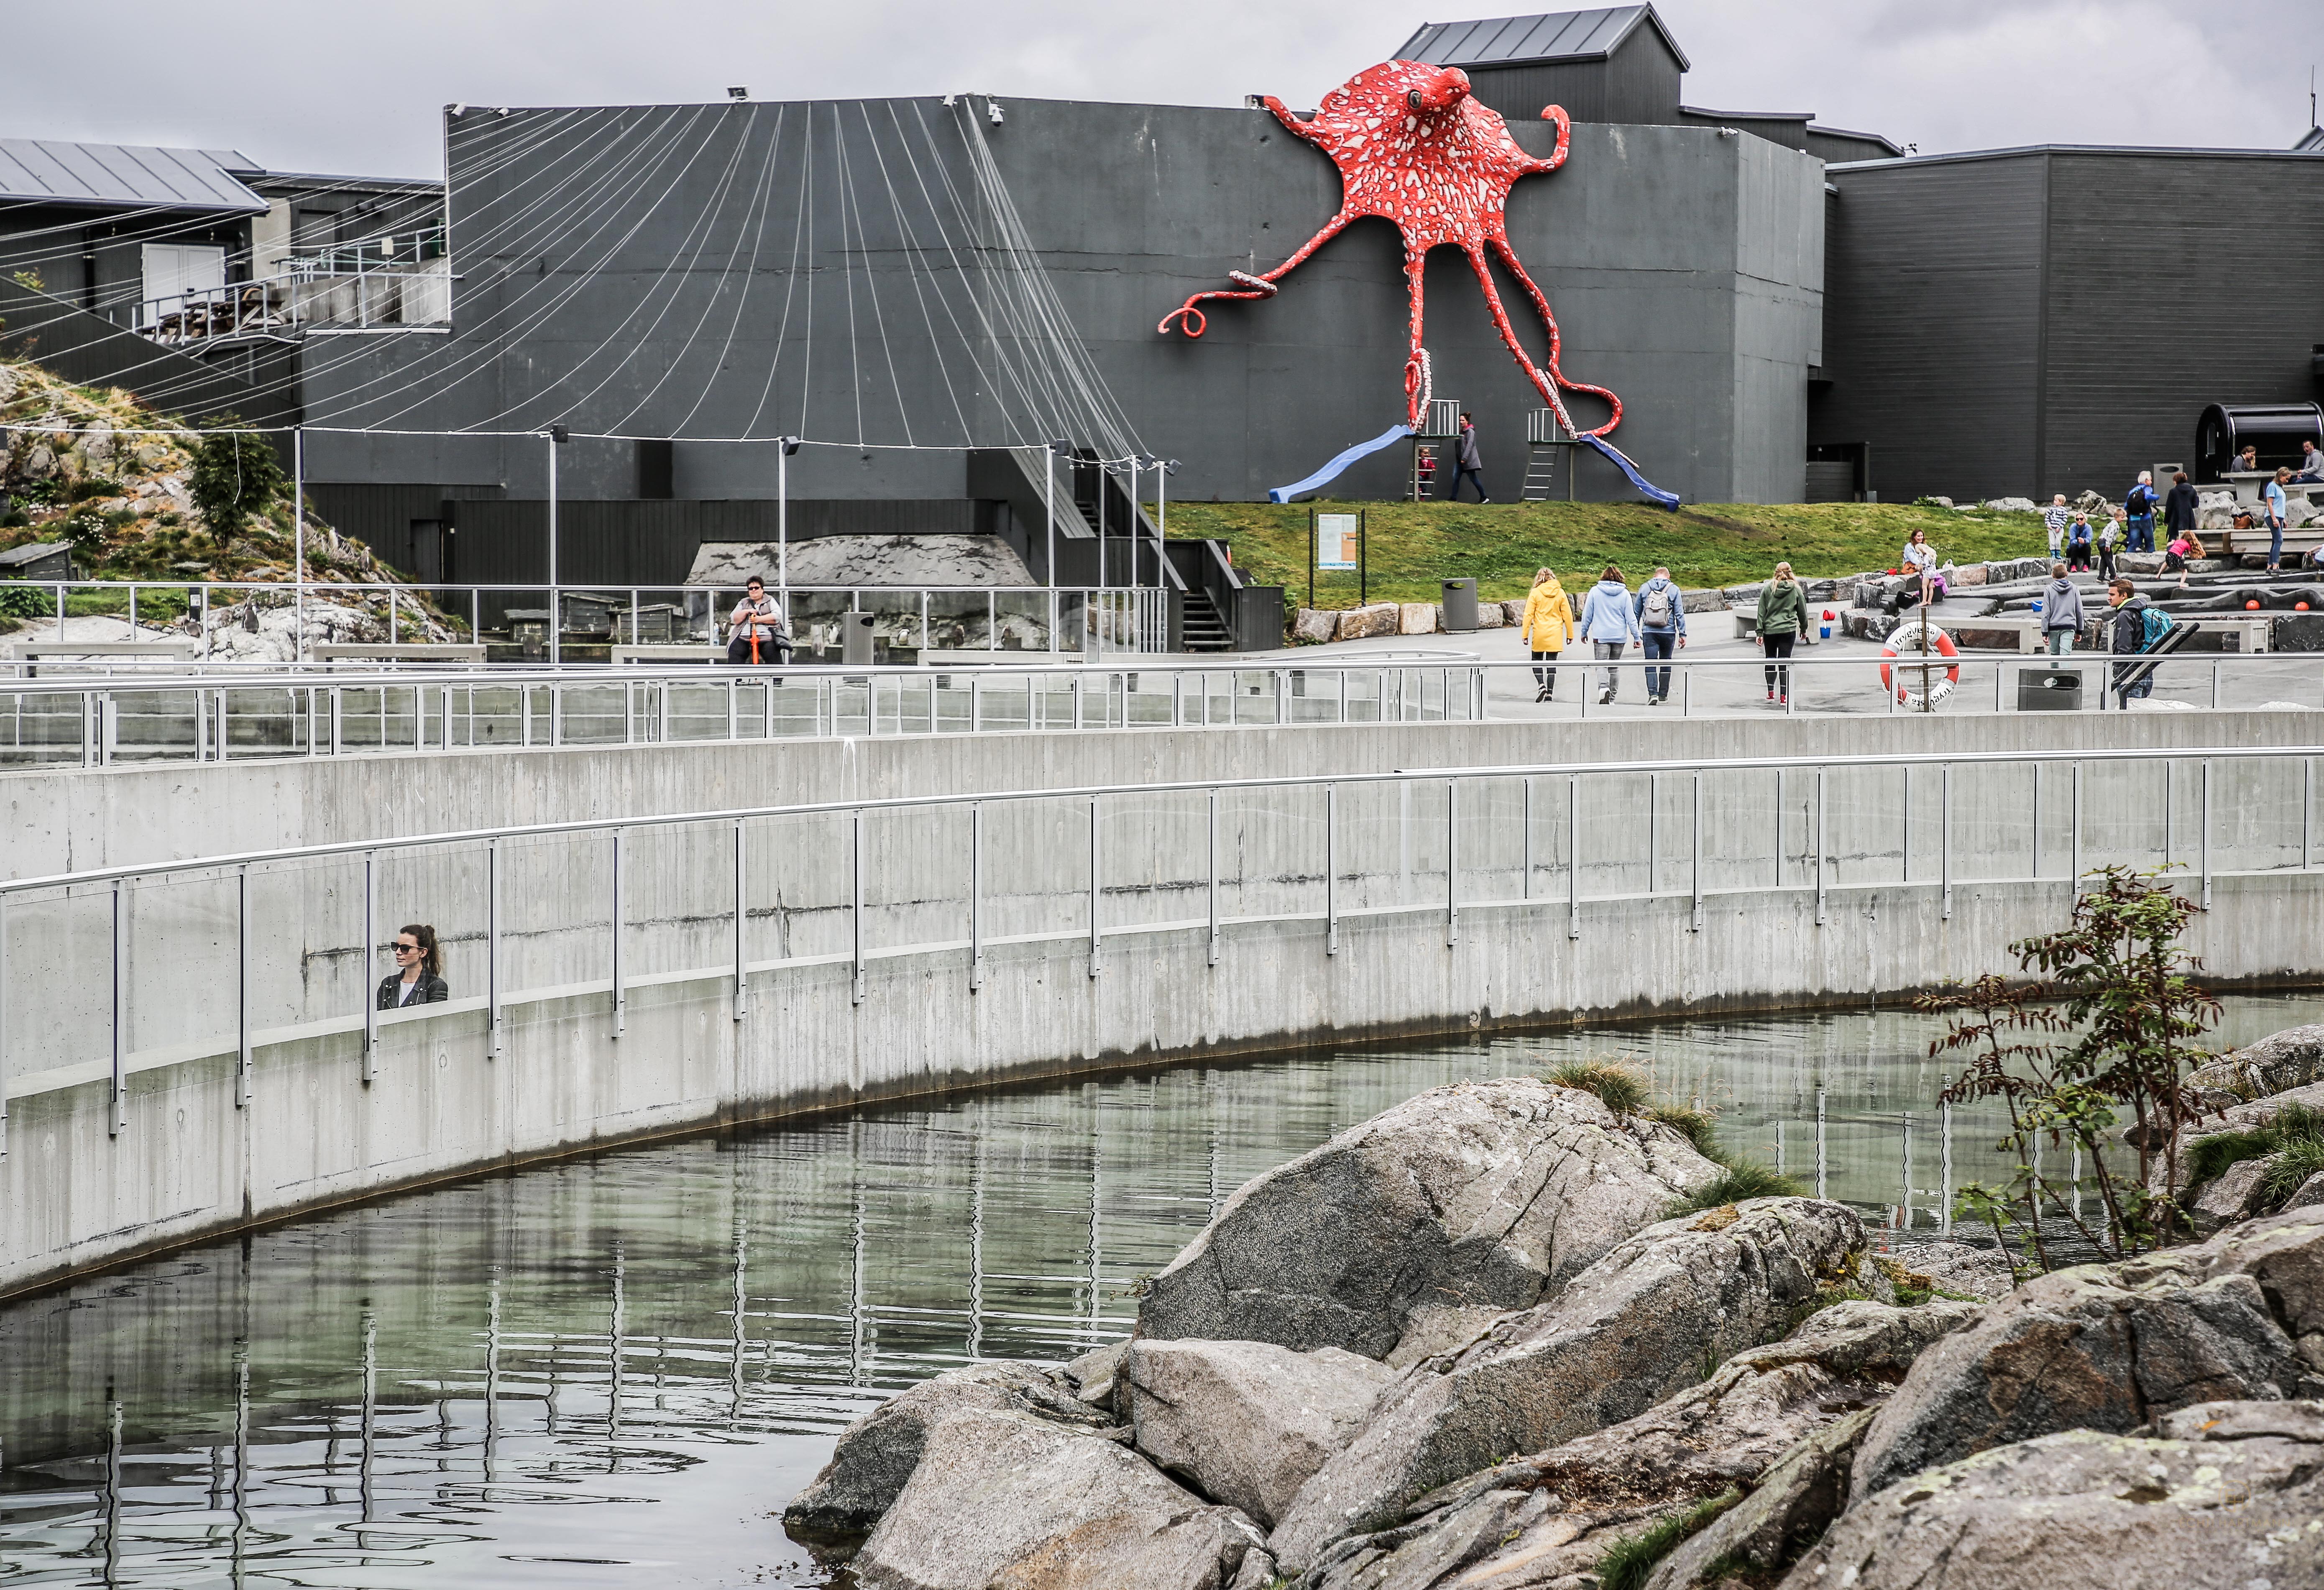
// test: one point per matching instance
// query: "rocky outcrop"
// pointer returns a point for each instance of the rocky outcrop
(1787, 1508)
(877, 1456)
(1758, 1405)
(1247, 1423)
(2224, 1495)
(1961, 1269)
(1417, 618)
(1639, 1325)
(2108, 1347)
(1012, 1502)
(2242, 1117)
(1312, 626)
(1478, 1195)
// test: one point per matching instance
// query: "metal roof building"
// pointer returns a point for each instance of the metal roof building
(109, 176)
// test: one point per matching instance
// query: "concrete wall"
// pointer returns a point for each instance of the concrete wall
(727, 314)
(189, 1163)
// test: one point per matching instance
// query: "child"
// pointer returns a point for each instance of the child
(2053, 522)
(2078, 541)
(2174, 558)
(2111, 536)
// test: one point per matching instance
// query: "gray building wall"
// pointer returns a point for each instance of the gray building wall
(1636, 83)
(1648, 243)
(2040, 320)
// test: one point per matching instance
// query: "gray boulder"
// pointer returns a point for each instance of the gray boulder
(2241, 1117)
(1247, 1423)
(1758, 1405)
(2234, 1194)
(1010, 1501)
(1433, 1550)
(2225, 1497)
(1639, 1325)
(1314, 625)
(1476, 1195)
(1362, 623)
(877, 1456)
(1788, 1508)
(2109, 1347)
(1095, 1374)
(1963, 1268)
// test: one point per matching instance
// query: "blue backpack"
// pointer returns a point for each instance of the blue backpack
(2157, 622)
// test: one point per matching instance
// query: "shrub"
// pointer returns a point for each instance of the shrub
(2294, 1138)
(1699, 1127)
(234, 476)
(1618, 1088)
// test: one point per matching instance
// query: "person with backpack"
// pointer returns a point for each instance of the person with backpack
(2138, 625)
(1662, 626)
(2061, 611)
(1609, 623)
(2138, 510)
(1548, 625)
(1783, 614)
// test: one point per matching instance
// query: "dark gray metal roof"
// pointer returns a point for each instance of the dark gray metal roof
(1554, 35)
(45, 171)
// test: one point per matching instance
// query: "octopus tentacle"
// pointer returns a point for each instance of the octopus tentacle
(1258, 286)
(1547, 377)
(1415, 362)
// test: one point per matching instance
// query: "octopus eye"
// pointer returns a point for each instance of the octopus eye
(1412, 97)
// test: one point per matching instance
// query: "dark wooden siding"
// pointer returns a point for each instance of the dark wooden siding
(2176, 279)
(1932, 294)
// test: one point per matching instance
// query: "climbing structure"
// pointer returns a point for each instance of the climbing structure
(1414, 148)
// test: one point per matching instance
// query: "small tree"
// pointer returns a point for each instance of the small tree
(2120, 981)
(235, 473)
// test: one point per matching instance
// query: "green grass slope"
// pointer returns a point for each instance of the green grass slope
(1416, 545)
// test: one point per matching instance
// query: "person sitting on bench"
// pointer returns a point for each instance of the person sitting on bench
(758, 632)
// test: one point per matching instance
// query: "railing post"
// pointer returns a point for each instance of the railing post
(1452, 863)
(493, 948)
(241, 987)
(1945, 1171)
(1330, 869)
(1945, 842)
(1573, 854)
(975, 704)
(621, 989)
(119, 1117)
(1820, 1144)
(855, 873)
(741, 914)
(1696, 863)
(4, 1026)
(2033, 812)
(1278, 698)
(2205, 818)
(1095, 875)
(1778, 845)
(2074, 835)
(370, 937)
(976, 896)
(1214, 877)
(2307, 809)
(1525, 837)
(1905, 1209)
(1821, 783)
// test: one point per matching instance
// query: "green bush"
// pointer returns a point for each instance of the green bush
(2296, 1136)
(1618, 1088)
(27, 602)
(236, 475)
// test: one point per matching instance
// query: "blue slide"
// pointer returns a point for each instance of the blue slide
(1654, 491)
(1284, 494)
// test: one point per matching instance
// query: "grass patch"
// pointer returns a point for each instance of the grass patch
(1618, 1088)
(1699, 1127)
(1630, 1561)
(2296, 1134)
(1741, 1179)
(1413, 546)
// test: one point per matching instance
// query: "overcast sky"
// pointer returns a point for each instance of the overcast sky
(358, 88)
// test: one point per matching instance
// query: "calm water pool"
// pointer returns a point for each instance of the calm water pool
(615, 1371)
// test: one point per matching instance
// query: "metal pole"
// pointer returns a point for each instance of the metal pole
(1524, 837)
(976, 897)
(1945, 846)
(120, 1119)
(298, 542)
(1214, 877)
(1697, 863)
(1945, 1170)
(1330, 869)
(241, 987)
(1818, 845)
(741, 915)
(1574, 854)
(555, 608)
(2074, 834)
(855, 873)
(2206, 820)
(1050, 516)
(783, 527)
(621, 991)
(1452, 863)
(493, 948)
(2307, 807)
(1095, 875)
(370, 937)
(2036, 824)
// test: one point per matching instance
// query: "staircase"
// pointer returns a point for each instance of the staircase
(1203, 629)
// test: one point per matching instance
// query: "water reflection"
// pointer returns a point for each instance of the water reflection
(604, 1371)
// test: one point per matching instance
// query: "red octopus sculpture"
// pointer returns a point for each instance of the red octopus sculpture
(1414, 148)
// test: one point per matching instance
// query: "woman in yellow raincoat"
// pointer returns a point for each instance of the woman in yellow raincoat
(1548, 625)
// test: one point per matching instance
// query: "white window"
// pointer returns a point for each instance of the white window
(173, 270)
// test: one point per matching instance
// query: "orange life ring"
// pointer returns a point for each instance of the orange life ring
(1894, 649)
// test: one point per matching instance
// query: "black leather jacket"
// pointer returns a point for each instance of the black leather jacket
(433, 990)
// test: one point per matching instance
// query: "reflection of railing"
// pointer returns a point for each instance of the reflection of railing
(363, 711)
(818, 893)
(351, 292)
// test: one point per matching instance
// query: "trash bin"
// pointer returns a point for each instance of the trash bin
(1459, 607)
(2050, 691)
(855, 639)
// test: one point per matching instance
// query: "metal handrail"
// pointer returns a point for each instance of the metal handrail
(1177, 787)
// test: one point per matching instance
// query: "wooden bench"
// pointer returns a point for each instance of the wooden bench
(417, 652)
(697, 653)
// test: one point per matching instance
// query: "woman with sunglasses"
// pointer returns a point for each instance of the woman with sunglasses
(419, 977)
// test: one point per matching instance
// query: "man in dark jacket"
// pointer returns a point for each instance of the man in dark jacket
(1472, 464)
(2129, 636)
(2178, 508)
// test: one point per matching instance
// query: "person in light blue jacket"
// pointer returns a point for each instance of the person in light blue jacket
(1610, 622)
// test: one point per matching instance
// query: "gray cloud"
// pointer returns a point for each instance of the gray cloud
(358, 88)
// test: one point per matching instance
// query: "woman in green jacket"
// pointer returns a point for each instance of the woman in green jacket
(1783, 614)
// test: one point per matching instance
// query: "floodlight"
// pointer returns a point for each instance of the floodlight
(992, 110)
(738, 92)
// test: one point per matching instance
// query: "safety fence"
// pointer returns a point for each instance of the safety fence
(116, 721)
(114, 970)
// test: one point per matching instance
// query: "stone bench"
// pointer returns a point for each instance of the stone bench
(1747, 625)
(29, 651)
(417, 652)
(694, 652)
